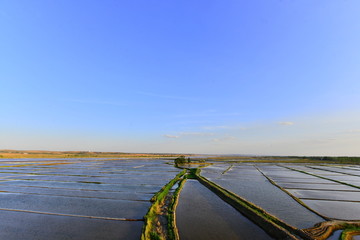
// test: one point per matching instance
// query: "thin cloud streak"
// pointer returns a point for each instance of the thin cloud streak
(286, 123)
(95, 102)
(224, 139)
(189, 134)
(207, 114)
(167, 96)
(170, 136)
(224, 127)
(199, 134)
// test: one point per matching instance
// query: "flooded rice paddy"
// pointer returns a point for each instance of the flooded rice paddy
(108, 199)
(332, 192)
(248, 182)
(202, 215)
(301, 195)
(82, 199)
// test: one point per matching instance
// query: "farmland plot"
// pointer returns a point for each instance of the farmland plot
(331, 191)
(248, 182)
(298, 194)
(78, 199)
(108, 199)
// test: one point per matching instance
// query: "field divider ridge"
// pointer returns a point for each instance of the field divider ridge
(163, 209)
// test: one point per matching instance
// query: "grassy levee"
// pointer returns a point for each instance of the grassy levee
(271, 224)
(192, 173)
(323, 230)
(228, 169)
(348, 234)
(173, 232)
(151, 222)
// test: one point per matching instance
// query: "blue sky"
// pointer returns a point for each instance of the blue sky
(236, 77)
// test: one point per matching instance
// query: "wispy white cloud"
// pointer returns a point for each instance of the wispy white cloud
(85, 101)
(198, 134)
(224, 139)
(189, 122)
(216, 127)
(156, 95)
(224, 127)
(286, 123)
(170, 136)
(208, 113)
(189, 134)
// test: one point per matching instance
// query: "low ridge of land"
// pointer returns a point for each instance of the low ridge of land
(76, 154)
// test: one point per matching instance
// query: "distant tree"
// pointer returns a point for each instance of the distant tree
(181, 160)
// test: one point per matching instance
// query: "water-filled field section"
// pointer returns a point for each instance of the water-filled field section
(108, 199)
(248, 182)
(301, 195)
(332, 191)
(202, 215)
(81, 199)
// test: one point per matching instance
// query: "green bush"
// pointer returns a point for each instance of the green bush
(182, 160)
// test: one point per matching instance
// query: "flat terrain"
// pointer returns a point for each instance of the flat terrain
(82, 199)
(26, 154)
(107, 198)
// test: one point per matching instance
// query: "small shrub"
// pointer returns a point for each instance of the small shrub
(181, 160)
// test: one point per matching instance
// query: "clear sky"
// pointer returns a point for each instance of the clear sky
(236, 77)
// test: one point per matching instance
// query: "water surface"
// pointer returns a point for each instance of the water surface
(202, 215)
(254, 187)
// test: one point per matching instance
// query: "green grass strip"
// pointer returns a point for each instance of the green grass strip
(324, 230)
(228, 169)
(348, 233)
(192, 173)
(172, 229)
(149, 229)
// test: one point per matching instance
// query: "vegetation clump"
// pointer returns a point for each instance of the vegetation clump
(192, 173)
(323, 230)
(182, 160)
